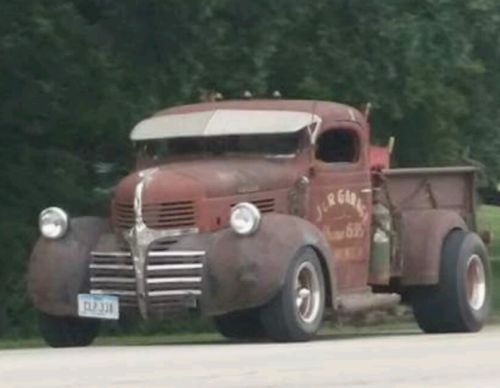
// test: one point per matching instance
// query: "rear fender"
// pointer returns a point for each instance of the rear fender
(248, 271)
(59, 269)
(422, 236)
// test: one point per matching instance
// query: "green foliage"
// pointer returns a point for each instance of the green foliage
(75, 75)
(495, 269)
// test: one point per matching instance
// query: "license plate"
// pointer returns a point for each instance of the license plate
(98, 306)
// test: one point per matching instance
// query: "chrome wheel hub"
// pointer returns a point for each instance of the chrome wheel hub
(307, 292)
(475, 282)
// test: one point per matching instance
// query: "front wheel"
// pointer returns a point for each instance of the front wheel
(296, 313)
(62, 332)
(461, 300)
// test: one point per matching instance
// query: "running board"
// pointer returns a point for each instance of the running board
(363, 302)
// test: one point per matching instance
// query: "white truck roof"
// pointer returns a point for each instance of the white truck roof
(222, 122)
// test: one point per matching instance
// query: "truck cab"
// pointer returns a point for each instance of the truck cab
(262, 214)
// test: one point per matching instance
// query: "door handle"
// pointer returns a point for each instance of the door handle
(366, 191)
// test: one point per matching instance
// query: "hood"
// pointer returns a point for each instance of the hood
(210, 179)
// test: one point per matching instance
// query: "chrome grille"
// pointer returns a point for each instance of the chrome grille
(157, 216)
(172, 277)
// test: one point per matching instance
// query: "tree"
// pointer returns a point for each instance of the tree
(75, 75)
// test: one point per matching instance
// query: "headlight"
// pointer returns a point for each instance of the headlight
(53, 222)
(245, 218)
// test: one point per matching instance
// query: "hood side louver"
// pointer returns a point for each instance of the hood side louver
(157, 216)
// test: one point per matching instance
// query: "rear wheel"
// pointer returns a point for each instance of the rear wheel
(240, 324)
(296, 313)
(61, 332)
(461, 300)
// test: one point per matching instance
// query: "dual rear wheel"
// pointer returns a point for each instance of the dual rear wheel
(461, 301)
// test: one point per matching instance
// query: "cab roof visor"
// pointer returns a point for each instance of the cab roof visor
(223, 122)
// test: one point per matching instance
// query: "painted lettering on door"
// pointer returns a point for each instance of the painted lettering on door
(341, 197)
(344, 220)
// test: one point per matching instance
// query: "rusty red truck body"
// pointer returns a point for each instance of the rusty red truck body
(264, 214)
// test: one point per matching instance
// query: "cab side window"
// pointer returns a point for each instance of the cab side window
(338, 146)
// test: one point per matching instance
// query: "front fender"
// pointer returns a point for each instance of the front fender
(59, 269)
(248, 271)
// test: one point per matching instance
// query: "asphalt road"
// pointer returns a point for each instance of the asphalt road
(406, 360)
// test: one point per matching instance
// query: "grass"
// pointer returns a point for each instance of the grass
(125, 340)
(329, 331)
(495, 269)
(488, 219)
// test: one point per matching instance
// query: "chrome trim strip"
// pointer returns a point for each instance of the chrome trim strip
(112, 266)
(187, 279)
(175, 253)
(98, 279)
(151, 294)
(174, 293)
(113, 292)
(167, 267)
(138, 242)
(111, 254)
(165, 233)
(151, 254)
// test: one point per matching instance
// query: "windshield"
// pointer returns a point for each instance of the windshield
(280, 145)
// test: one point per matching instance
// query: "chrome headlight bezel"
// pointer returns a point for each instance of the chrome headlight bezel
(53, 223)
(245, 218)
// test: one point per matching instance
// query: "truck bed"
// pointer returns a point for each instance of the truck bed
(450, 188)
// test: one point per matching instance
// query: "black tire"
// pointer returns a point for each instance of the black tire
(455, 304)
(62, 332)
(281, 318)
(240, 324)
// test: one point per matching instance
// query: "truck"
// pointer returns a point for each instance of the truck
(267, 216)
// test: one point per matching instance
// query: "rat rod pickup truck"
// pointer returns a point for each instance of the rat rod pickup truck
(265, 215)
